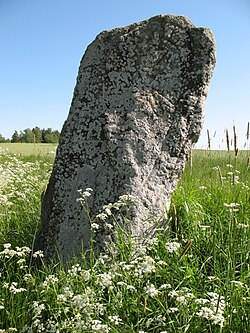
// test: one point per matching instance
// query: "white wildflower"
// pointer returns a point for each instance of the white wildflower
(153, 241)
(102, 216)
(242, 226)
(209, 314)
(99, 308)
(238, 283)
(68, 292)
(109, 226)
(172, 246)
(75, 269)
(146, 266)
(165, 286)
(84, 194)
(50, 279)
(38, 308)
(172, 310)
(232, 205)
(201, 301)
(121, 283)
(94, 226)
(86, 275)
(21, 262)
(107, 209)
(161, 320)
(115, 320)
(204, 227)
(38, 253)
(61, 298)
(79, 301)
(182, 295)
(173, 293)
(105, 279)
(13, 287)
(22, 251)
(213, 294)
(214, 309)
(97, 326)
(151, 291)
(128, 198)
(181, 299)
(212, 278)
(129, 287)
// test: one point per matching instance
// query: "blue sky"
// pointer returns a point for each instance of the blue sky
(42, 43)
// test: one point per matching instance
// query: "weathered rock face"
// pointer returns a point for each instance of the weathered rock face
(137, 109)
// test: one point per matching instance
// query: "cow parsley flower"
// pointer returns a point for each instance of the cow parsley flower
(84, 194)
(105, 279)
(13, 287)
(214, 309)
(238, 283)
(94, 227)
(151, 291)
(39, 254)
(38, 308)
(115, 320)
(172, 247)
(97, 326)
(172, 310)
(75, 270)
(50, 280)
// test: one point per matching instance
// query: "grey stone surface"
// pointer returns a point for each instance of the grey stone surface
(137, 110)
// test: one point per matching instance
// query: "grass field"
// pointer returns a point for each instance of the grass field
(194, 276)
(30, 149)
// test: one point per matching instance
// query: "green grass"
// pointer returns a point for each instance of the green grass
(30, 149)
(157, 288)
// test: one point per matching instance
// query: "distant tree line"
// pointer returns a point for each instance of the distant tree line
(34, 135)
(2, 139)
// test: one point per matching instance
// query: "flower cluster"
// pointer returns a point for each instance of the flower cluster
(124, 201)
(214, 309)
(172, 246)
(84, 195)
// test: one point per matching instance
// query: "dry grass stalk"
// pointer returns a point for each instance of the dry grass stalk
(208, 140)
(227, 140)
(186, 248)
(175, 219)
(248, 134)
(220, 175)
(235, 142)
(218, 304)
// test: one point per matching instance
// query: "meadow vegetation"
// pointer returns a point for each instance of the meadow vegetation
(193, 276)
(32, 150)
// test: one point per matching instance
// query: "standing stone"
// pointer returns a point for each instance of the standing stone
(137, 110)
